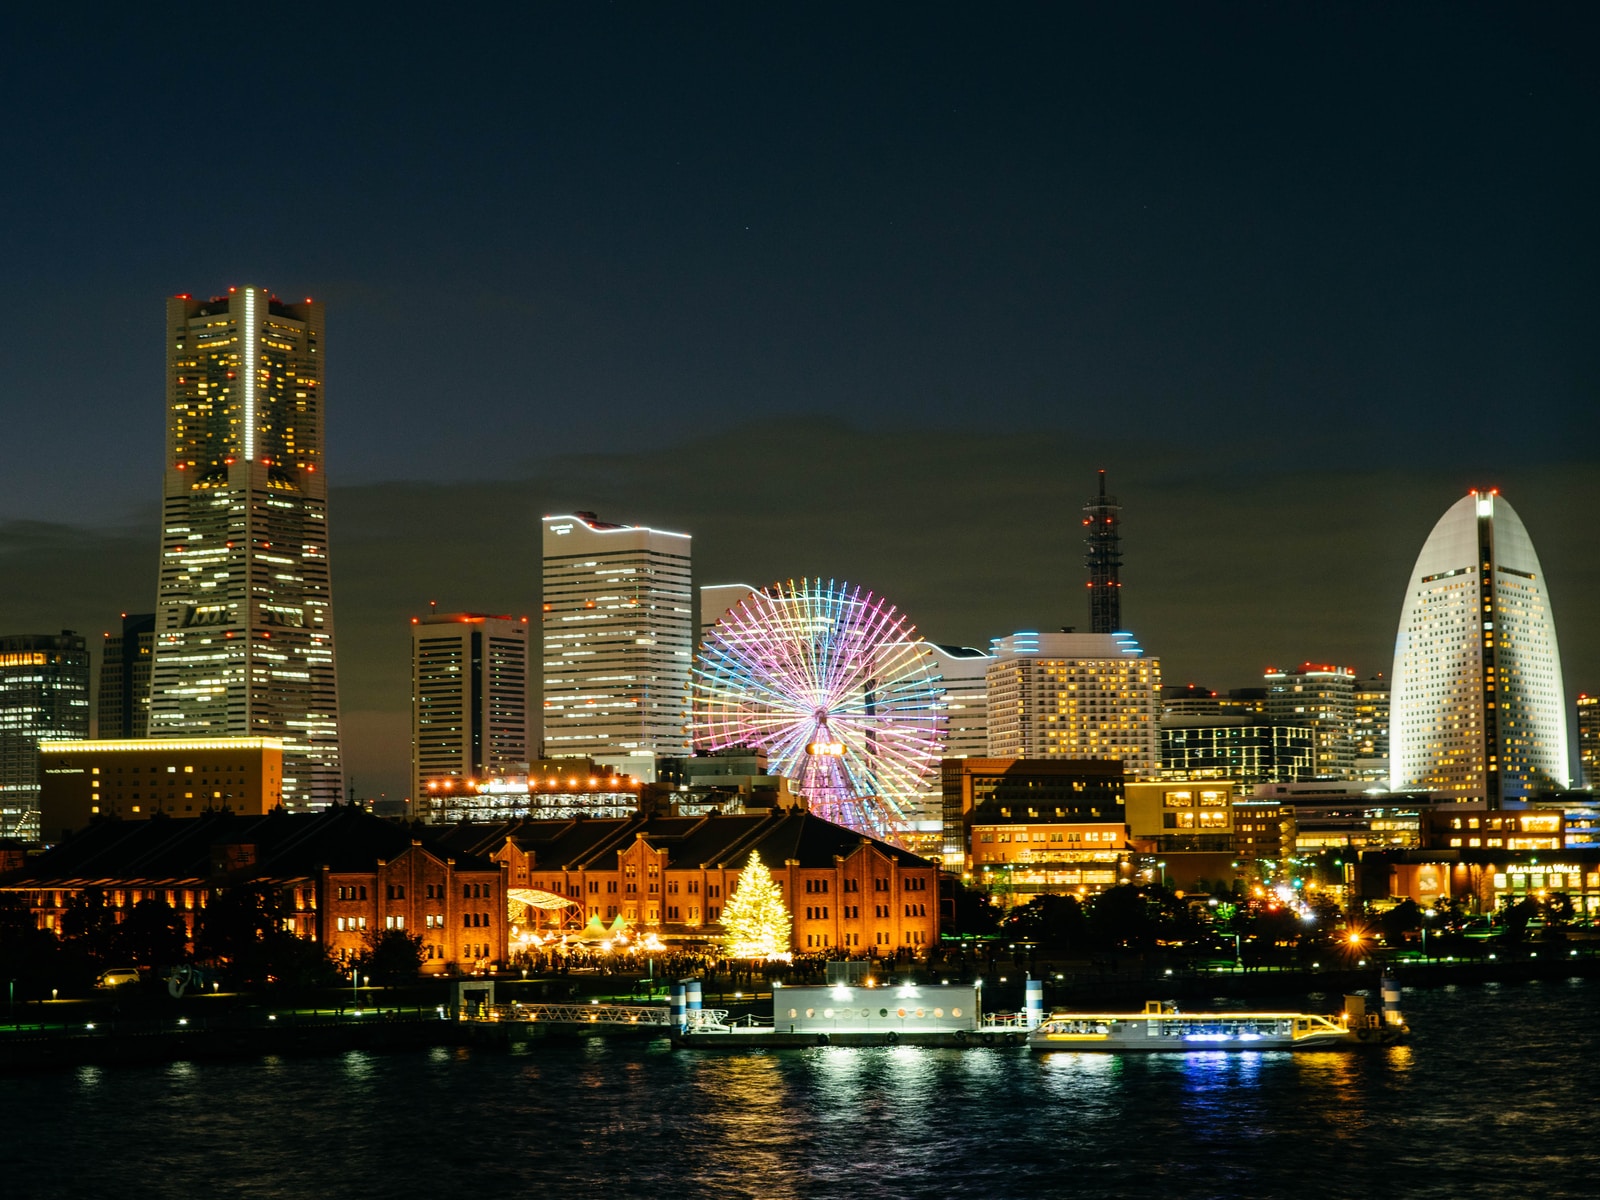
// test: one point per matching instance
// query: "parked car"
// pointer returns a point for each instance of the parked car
(117, 977)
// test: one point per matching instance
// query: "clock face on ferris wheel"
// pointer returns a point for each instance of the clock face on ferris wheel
(834, 685)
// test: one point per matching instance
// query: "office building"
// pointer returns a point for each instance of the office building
(1182, 816)
(122, 705)
(1477, 709)
(619, 631)
(44, 696)
(1263, 830)
(140, 778)
(1371, 730)
(244, 642)
(1009, 791)
(1589, 739)
(1247, 750)
(716, 599)
(469, 698)
(1319, 696)
(1075, 695)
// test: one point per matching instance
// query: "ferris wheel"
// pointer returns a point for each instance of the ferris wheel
(834, 685)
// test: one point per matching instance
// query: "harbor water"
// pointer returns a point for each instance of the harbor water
(1495, 1094)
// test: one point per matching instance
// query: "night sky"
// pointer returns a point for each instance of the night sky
(866, 294)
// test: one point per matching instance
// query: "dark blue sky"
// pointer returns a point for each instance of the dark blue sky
(1297, 275)
(1264, 231)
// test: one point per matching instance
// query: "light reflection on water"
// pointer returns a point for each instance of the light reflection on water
(1492, 1095)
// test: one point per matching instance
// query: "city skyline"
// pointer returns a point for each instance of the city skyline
(1328, 598)
(1292, 291)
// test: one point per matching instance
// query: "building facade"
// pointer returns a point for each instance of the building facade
(1589, 739)
(1321, 697)
(1246, 750)
(672, 876)
(244, 641)
(547, 788)
(122, 704)
(1001, 791)
(1075, 696)
(139, 778)
(44, 696)
(469, 698)
(1478, 711)
(341, 877)
(1371, 730)
(619, 632)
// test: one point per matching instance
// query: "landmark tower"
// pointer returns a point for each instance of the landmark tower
(244, 620)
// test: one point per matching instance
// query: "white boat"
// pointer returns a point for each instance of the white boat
(1161, 1026)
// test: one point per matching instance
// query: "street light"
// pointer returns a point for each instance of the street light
(1163, 867)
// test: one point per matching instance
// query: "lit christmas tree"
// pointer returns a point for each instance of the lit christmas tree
(755, 917)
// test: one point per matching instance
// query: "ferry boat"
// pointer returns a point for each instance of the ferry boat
(1162, 1027)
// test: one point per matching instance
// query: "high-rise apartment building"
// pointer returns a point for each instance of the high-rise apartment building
(1076, 695)
(1477, 710)
(122, 705)
(1321, 696)
(469, 698)
(1589, 739)
(619, 630)
(244, 624)
(1371, 730)
(44, 696)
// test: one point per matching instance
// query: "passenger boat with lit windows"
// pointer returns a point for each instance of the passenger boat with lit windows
(1162, 1027)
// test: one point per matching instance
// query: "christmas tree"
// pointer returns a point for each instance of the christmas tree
(755, 917)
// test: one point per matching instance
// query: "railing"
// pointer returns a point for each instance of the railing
(575, 1014)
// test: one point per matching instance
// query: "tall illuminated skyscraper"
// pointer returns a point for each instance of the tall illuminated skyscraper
(619, 630)
(1477, 709)
(469, 698)
(244, 623)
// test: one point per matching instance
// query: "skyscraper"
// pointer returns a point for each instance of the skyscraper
(1102, 518)
(1589, 739)
(469, 698)
(1477, 709)
(1076, 695)
(1371, 729)
(122, 705)
(619, 627)
(244, 622)
(44, 696)
(1319, 696)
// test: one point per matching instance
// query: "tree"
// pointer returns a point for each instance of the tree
(971, 911)
(1055, 921)
(153, 934)
(391, 956)
(756, 919)
(245, 929)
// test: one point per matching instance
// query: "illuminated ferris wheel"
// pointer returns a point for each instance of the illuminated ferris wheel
(834, 685)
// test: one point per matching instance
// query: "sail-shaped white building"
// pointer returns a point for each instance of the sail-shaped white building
(1477, 708)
